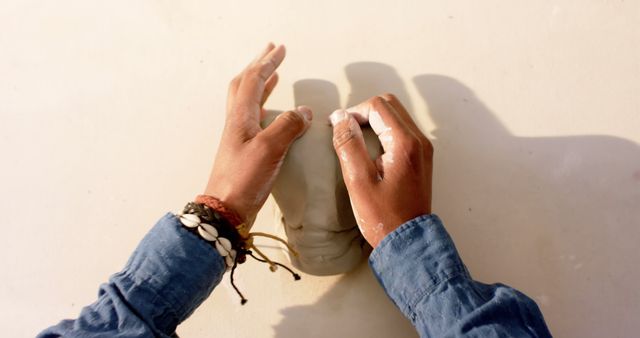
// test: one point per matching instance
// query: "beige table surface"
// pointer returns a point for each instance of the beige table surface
(111, 111)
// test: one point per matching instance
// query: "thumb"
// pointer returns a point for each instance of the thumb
(288, 126)
(358, 170)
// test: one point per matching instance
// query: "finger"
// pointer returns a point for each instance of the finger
(254, 78)
(401, 110)
(287, 127)
(231, 94)
(270, 46)
(271, 83)
(358, 170)
(235, 83)
(406, 117)
(385, 121)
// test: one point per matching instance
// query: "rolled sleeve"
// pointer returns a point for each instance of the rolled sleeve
(420, 270)
(167, 277)
(425, 243)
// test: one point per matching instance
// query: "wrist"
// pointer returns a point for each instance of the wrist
(228, 210)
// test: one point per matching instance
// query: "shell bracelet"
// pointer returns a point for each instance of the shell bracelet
(233, 243)
(210, 234)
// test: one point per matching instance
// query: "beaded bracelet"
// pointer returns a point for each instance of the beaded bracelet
(233, 242)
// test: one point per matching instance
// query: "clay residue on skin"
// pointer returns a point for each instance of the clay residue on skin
(377, 123)
(362, 224)
(385, 136)
(386, 139)
(374, 232)
(387, 158)
(344, 156)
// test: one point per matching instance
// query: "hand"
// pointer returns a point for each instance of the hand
(397, 186)
(249, 157)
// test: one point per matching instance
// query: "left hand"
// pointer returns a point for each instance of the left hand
(249, 157)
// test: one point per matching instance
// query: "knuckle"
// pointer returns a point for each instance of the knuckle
(261, 70)
(389, 97)
(234, 82)
(427, 146)
(412, 146)
(269, 63)
(253, 71)
(293, 118)
(377, 101)
(343, 136)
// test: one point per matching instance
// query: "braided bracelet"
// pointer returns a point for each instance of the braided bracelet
(233, 243)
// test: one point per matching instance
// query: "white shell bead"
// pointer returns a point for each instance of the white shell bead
(225, 243)
(206, 235)
(210, 229)
(221, 250)
(188, 223)
(190, 220)
(229, 260)
(192, 217)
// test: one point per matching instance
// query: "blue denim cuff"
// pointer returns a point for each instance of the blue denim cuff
(412, 260)
(170, 274)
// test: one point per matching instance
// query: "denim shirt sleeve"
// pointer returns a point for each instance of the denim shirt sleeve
(166, 278)
(421, 271)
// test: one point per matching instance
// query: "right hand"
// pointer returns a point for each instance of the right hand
(397, 186)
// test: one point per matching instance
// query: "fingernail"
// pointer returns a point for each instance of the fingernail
(337, 116)
(305, 111)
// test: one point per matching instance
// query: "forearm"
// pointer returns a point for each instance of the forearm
(168, 276)
(421, 271)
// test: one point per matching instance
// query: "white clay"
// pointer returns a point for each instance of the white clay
(313, 203)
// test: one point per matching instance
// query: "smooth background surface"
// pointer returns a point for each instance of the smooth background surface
(111, 112)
